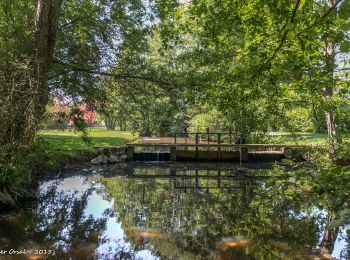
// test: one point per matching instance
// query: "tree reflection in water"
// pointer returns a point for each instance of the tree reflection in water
(59, 222)
(180, 212)
(207, 214)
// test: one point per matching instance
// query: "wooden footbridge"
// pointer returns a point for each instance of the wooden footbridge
(221, 147)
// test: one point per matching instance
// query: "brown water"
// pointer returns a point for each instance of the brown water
(168, 211)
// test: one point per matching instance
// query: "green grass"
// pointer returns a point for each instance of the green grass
(63, 144)
(302, 138)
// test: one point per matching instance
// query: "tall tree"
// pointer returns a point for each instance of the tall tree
(52, 47)
(262, 50)
(46, 25)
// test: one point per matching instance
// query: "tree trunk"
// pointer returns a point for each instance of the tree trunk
(317, 120)
(25, 103)
(47, 15)
(334, 137)
(146, 128)
(121, 123)
(147, 132)
(27, 80)
(328, 239)
(333, 133)
(110, 122)
(330, 108)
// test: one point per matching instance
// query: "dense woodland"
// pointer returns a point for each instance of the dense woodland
(156, 67)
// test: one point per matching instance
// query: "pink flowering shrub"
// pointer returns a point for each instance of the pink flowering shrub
(62, 115)
(82, 111)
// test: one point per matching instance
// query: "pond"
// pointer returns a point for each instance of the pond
(172, 211)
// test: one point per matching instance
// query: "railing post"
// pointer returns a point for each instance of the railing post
(208, 135)
(219, 149)
(175, 138)
(243, 154)
(173, 153)
(130, 154)
(196, 139)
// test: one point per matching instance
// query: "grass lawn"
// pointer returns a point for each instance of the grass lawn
(67, 143)
(301, 138)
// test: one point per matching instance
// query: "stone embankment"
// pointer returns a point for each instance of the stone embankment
(110, 155)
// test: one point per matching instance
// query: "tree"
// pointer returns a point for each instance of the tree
(261, 51)
(51, 47)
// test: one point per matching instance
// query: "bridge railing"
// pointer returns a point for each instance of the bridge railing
(205, 138)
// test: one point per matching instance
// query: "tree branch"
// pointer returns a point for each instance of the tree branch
(330, 9)
(286, 32)
(117, 76)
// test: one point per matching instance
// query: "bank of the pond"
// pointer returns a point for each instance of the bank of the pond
(60, 150)
(65, 149)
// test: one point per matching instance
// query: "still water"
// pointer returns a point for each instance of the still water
(171, 211)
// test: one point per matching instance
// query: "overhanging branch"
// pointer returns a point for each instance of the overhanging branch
(117, 76)
(328, 12)
(286, 31)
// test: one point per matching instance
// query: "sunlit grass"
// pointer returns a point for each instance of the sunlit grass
(61, 143)
(301, 138)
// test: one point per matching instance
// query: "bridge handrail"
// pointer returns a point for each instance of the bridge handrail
(226, 145)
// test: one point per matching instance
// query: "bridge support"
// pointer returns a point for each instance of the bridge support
(287, 152)
(172, 153)
(243, 154)
(130, 154)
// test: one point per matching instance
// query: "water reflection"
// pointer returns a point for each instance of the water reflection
(175, 211)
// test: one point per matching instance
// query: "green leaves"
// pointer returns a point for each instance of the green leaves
(344, 9)
(221, 37)
(345, 47)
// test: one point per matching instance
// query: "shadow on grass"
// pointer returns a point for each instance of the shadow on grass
(308, 136)
(299, 138)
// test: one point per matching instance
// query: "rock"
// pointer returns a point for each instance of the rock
(104, 159)
(113, 159)
(96, 160)
(101, 150)
(292, 179)
(123, 157)
(123, 165)
(99, 159)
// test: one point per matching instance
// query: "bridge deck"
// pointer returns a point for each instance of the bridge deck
(207, 147)
(218, 145)
(212, 152)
